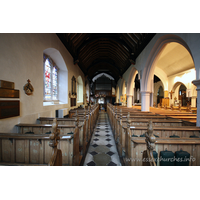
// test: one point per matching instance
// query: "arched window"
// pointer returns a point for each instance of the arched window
(50, 79)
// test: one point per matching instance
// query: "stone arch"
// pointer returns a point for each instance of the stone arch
(156, 88)
(154, 55)
(150, 65)
(131, 81)
(194, 90)
(175, 89)
(121, 84)
(177, 85)
(124, 88)
(162, 76)
(62, 73)
(117, 94)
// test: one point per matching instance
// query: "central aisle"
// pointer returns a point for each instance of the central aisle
(102, 150)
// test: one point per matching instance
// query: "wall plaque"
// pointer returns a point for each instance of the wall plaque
(28, 88)
(7, 90)
(7, 84)
(9, 109)
(8, 93)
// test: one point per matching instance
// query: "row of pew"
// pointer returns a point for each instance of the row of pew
(180, 108)
(129, 126)
(30, 145)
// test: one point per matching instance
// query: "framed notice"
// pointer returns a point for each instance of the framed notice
(9, 109)
(73, 102)
(123, 99)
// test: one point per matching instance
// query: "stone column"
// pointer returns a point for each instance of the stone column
(129, 100)
(197, 83)
(138, 95)
(151, 99)
(145, 96)
(193, 101)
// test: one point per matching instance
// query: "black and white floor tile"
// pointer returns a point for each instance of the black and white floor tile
(102, 150)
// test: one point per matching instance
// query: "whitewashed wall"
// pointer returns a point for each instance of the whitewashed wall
(21, 58)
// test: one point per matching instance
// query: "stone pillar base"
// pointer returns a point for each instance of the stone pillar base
(129, 100)
(145, 96)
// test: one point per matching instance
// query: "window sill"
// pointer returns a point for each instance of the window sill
(51, 103)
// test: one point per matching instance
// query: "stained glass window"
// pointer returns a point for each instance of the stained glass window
(50, 79)
(55, 83)
(47, 80)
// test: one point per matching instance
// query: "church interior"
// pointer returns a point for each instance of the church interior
(94, 99)
(99, 91)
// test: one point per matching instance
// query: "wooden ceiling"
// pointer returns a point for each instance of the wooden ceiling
(111, 53)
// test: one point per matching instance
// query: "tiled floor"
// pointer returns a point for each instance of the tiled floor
(102, 150)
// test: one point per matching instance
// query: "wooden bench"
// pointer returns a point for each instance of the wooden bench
(64, 130)
(34, 149)
(138, 145)
(132, 151)
(43, 128)
(164, 133)
(158, 122)
(84, 132)
(92, 112)
(160, 131)
(114, 120)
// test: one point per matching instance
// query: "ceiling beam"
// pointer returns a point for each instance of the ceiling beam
(102, 62)
(99, 37)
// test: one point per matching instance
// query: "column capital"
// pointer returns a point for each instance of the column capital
(197, 83)
(129, 95)
(145, 92)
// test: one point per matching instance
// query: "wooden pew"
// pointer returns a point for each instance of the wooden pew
(93, 112)
(56, 158)
(158, 122)
(160, 131)
(64, 130)
(131, 148)
(84, 134)
(114, 115)
(43, 128)
(143, 123)
(34, 149)
(190, 145)
(136, 118)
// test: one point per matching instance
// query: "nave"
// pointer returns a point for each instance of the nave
(102, 150)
